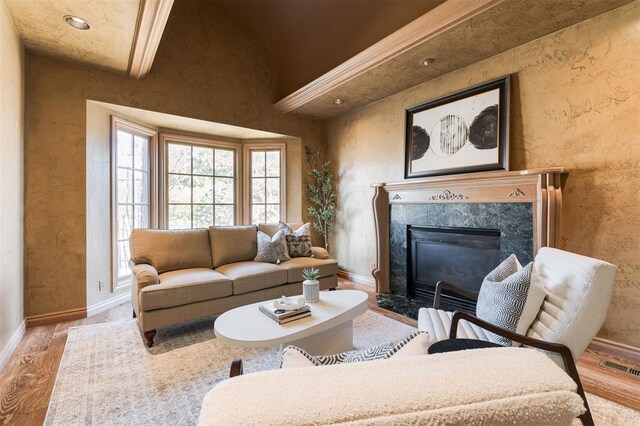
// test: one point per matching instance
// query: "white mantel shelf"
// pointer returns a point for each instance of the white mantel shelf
(541, 187)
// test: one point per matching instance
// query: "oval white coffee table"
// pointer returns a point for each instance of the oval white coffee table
(328, 330)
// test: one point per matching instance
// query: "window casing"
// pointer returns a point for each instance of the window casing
(265, 188)
(133, 191)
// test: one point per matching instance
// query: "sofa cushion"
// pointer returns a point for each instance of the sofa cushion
(185, 286)
(272, 249)
(504, 296)
(295, 266)
(271, 228)
(252, 276)
(231, 244)
(298, 241)
(171, 250)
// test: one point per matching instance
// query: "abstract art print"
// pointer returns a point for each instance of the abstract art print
(466, 131)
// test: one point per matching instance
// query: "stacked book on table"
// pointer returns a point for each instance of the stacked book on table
(281, 316)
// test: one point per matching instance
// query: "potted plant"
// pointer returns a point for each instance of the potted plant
(322, 195)
(311, 285)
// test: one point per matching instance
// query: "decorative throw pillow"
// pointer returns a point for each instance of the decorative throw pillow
(415, 344)
(298, 241)
(502, 298)
(272, 249)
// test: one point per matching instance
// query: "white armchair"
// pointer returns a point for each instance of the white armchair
(578, 291)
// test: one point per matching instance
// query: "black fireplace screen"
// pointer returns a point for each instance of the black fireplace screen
(461, 256)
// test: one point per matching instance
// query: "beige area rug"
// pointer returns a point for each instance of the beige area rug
(108, 377)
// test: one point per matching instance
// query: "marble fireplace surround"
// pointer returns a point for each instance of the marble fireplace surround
(539, 187)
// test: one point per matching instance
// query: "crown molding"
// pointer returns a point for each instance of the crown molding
(429, 25)
(152, 19)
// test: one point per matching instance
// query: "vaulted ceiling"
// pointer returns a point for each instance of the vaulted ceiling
(307, 38)
(356, 50)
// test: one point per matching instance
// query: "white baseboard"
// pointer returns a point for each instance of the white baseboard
(358, 279)
(108, 304)
(12, 344)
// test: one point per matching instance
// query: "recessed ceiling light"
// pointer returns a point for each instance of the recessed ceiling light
(76, 22)
(428, 61)
(338, 101)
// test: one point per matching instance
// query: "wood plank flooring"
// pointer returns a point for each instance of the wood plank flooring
(27, 381)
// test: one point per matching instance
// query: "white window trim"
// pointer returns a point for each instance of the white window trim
(264, 146)
(166, 138)
(129, 126)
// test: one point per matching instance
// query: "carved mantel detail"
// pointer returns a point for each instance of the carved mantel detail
(448, 196)
(516, 193)
(541, 187)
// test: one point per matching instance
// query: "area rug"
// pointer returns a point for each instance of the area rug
(108, 377)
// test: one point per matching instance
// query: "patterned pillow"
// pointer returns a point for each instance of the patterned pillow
(416, 343)
(298, 241)
(272, 249)
(502, 297)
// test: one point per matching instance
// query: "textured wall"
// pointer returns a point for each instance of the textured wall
(208, 67)
(11, 177)
(575, 103)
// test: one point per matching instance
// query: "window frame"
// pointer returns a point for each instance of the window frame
(163, 175)
(247, 149)
(118, 123)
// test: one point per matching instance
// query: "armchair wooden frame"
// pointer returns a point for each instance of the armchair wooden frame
(236, 368)
(562, 350)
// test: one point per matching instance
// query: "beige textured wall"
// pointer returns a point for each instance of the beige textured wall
(11, 177)
(98, 205)
(208, 67)
(575, 103)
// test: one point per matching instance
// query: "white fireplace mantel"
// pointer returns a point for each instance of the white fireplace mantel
(541, 187)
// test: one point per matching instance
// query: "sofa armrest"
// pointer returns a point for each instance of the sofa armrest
(144, 274)
(319, 253)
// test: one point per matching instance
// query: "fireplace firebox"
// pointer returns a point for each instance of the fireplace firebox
(462, 256)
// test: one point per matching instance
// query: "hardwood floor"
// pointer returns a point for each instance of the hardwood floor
(27, 381)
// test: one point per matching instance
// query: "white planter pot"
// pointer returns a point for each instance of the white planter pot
(311, 290)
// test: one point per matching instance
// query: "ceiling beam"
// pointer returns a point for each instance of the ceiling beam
(152, 18)
(429, 25)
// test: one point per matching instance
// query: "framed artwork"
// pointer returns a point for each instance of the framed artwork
(463, 132)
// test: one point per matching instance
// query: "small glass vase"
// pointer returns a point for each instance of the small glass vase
(311, 290)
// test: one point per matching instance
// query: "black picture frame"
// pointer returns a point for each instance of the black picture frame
(456, 133)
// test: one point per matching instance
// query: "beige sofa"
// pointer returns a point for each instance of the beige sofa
(498, 386)
(184, 275)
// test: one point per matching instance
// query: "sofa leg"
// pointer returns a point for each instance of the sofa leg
(150, 335)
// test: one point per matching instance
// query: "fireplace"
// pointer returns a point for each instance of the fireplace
(462, 256)
(502, 213)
